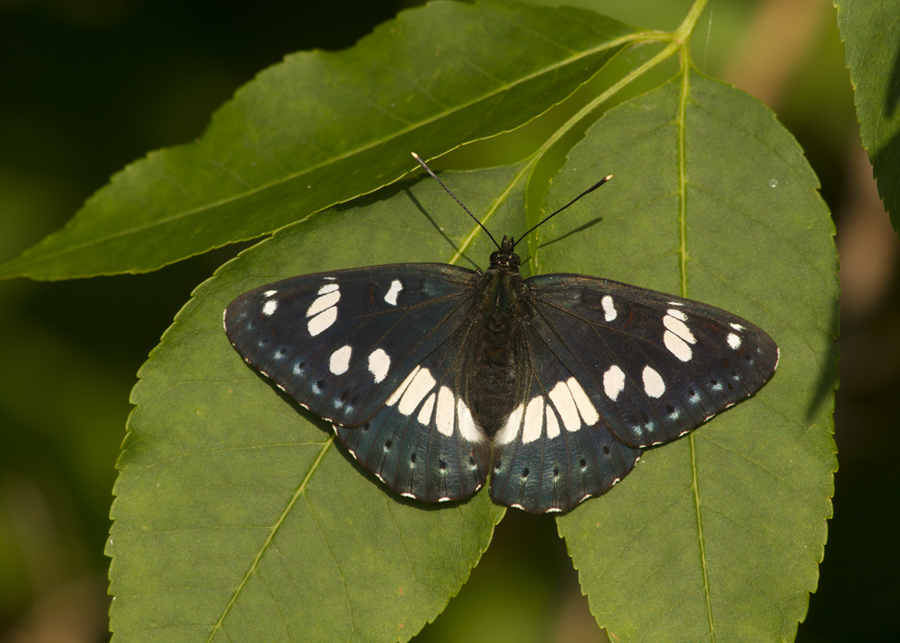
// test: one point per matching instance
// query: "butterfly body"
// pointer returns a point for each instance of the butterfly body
(435, 376)
(496, 342)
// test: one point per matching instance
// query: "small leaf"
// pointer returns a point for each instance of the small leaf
(717, 536)
(871, 35)
(237, 517)
(322, 128)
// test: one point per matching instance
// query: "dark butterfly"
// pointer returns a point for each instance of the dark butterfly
(435, 375)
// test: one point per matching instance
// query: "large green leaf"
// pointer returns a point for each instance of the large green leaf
(321, 128)
(871, 34)
(236, 516)
(717, 536)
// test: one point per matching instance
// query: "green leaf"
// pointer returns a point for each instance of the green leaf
(322, 128)
(718, 535)
(236, 516)
(871, 35)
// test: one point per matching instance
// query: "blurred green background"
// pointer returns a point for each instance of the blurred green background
(87, 86)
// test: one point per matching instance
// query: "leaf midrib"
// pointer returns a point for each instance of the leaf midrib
(265, 546)
(683, 255)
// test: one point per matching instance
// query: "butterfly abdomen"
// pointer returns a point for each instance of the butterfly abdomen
(494, 377)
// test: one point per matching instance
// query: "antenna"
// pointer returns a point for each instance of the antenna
(550, 216)
(532, 228)
(434, 176)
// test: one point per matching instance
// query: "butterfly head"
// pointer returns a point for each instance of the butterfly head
(505, 258)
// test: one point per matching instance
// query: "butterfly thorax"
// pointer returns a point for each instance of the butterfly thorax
(495, 339)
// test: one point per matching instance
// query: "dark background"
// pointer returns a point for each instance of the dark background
(88, 86)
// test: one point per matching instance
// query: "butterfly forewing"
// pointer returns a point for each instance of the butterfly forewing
(656, 366)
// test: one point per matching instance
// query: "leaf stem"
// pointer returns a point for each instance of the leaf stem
(686, 28)
(678, 42)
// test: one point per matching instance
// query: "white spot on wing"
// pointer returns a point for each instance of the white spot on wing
(585, 407)
(322, 302)
(534, 419)
(609, 311)
(322, 321)
(736, 326)
(269, 307)
(561, 397)
(674, 321)
(327, 288)
(734, 341)
(467, 426)
(422, 383)
(379, 364)
(340, 360)
(269, 293)
(653, 382)
(552, 422)
(511, 429)
(677, 346)
(400, 389)
(444, 419)
(613, 382)
(424, 416)
(391, 296)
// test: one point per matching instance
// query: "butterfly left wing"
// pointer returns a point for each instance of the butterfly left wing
(423, 442)
(616, 368)
(368, 349)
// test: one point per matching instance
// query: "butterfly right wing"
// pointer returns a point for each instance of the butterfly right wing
(614, 368)
(364, 348)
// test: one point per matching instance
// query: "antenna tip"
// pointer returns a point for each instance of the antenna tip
(608, 176)
(415, 156)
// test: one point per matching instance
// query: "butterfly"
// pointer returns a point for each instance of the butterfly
(436, 377)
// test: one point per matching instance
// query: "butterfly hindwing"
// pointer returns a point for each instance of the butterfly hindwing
(555, 449)
(424, 442)
(369, 349)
